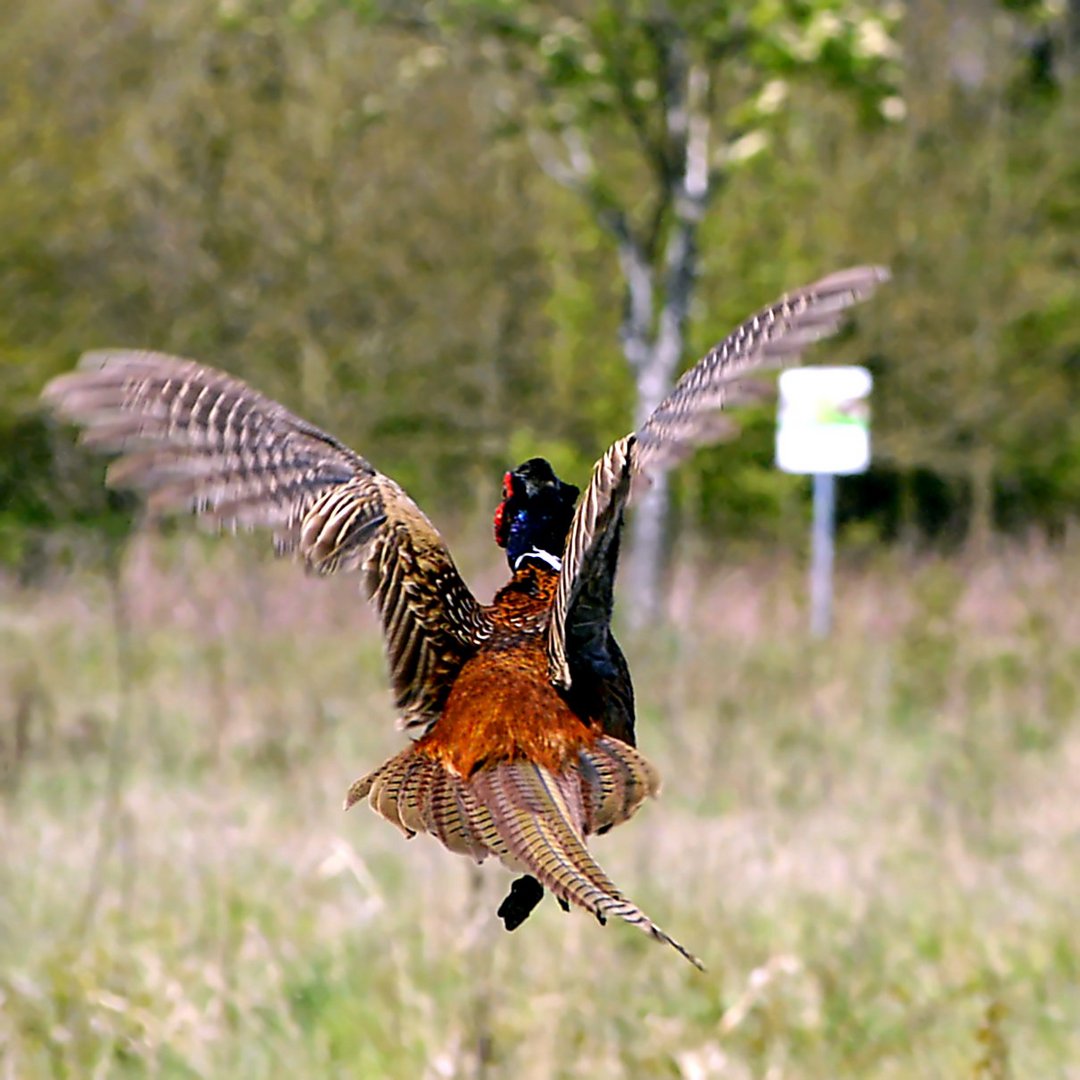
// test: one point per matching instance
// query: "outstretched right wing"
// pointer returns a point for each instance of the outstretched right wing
(579, 632)
(193, 438)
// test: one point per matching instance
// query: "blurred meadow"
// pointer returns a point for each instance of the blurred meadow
(411, 222)
(872, 842)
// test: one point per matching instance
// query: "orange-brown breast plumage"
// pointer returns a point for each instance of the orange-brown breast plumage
(502, 706)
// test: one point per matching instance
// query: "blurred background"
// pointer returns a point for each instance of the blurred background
(458, 233)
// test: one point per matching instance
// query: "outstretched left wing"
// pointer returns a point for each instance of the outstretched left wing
(579, 633)
(194, 438)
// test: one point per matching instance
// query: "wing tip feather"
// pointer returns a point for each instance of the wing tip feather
(860, 280)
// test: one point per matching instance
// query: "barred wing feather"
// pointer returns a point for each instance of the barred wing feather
(193, 438)
(685, 419)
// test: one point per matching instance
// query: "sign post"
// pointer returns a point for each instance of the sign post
(821, 556)
(823, 430)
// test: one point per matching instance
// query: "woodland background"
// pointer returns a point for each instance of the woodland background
(347, 208)
(413, 223)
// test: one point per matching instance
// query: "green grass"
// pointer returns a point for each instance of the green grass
(874, 843)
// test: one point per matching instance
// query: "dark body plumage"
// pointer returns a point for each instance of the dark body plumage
(524, 707)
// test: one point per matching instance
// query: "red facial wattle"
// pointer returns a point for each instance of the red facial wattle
(501, 524)
(502, 519)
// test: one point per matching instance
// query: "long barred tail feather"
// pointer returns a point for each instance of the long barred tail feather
(418, 794)
(532, 819)
(617, 780)
(538, 814)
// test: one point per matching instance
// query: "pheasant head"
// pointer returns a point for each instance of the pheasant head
(535, 513)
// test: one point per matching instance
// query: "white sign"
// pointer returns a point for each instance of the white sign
(824, 420)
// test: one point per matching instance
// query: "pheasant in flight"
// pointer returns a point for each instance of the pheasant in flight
(523, 708)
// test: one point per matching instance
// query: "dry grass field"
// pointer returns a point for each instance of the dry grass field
(874, 843)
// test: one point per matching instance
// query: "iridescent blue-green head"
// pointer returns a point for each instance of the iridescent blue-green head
(535, 514)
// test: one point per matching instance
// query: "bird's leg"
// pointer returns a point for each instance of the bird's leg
(525, 893)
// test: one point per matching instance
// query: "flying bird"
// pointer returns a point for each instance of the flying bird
(522, 709)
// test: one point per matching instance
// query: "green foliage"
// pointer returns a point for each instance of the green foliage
(313, 196)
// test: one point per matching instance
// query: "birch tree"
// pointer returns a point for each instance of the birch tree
(642, 108)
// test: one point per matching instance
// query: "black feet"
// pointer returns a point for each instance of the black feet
(524, 895)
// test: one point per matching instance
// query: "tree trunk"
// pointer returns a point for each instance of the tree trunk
(907, 511)
(655, 366)
(981, 515)
(655, 363)
(658, 265)
(645, 557)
